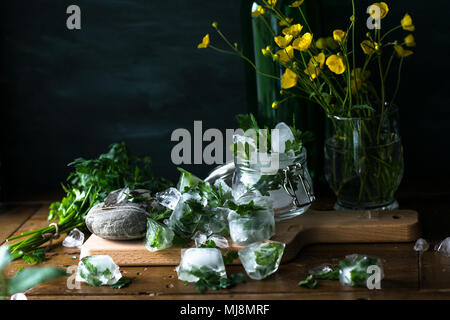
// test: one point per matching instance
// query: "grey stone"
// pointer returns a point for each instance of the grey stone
(121, 220)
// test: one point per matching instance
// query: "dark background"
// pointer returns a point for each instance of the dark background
(133, 73)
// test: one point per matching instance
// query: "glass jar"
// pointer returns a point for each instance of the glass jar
(284, 178)
(364, 161)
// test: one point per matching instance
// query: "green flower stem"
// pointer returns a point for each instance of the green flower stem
(387, 33)
(304, 19)
(397, 87)
(267, 25)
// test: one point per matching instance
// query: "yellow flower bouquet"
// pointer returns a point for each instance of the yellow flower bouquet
(350, 81)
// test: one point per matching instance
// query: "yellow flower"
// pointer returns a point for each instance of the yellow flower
(205, 42)
(304, 42)
(369, 47)
(410, 41)
(358, 78)
(296, 4)
(293, 30)
(287, 22)
(402, 52)
(275, 105)
(259, 11)
(336, 64)
(314, 65)
(283, 42)
(338, 35)
(331, 43)
(384, 9)
(272, 3)
(321, 43)
(407, 23)
(289, 79)
(285, 55)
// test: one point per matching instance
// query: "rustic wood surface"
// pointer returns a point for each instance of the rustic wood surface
(312, 227)
(403, 277)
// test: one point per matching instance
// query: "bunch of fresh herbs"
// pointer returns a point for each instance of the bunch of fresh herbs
(89, 183)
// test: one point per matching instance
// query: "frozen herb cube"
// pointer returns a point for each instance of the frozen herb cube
(261, 259)
(158, 236)
(354, 270)
(196, 262)
(251, 227)
(98, 270)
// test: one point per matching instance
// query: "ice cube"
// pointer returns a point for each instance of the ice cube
(187, 179)
(186, 216)
(284, 134)
(257, 199)
(421, 245)
(19, 296)
(196, 261)
(444, 247)
(117, 197)
(168, 198)
(225, 187)
(354, 270)
(158, 237)
(324, 271)
(261, 259)
(252, 227)
(201, 238)
(215, 221)
(74, 239)
(98, 270)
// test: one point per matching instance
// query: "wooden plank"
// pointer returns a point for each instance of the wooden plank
(309, 228)
(12, 217)
(399, 263)
(306, 295)
(435, 271)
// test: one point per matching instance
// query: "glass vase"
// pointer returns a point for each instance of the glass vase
(288, 183)
(364, 161)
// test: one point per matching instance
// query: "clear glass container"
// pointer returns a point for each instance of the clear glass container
(284, 178)
(364, 161)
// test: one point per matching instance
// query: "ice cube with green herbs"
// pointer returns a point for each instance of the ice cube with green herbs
(251, 219)
(353, 270)
(261, 259)
(98, 270)
(197, 262)
(158, 236)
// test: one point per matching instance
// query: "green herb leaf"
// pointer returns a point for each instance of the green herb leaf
(31, 277)
(211, 280)
(37, 256)
(209, 244)
(229, 256)
(309, 282)
(244, 209)
(122, 283)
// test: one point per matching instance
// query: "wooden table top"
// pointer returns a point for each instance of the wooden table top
(404, 279)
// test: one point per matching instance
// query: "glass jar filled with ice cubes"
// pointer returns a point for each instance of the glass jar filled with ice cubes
(283, 176)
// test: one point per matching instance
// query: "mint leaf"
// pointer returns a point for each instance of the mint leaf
(37, 256)
(122, 283)
(230, 256)
(309, 282)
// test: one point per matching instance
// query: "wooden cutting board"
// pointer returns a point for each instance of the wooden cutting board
(310, 228)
